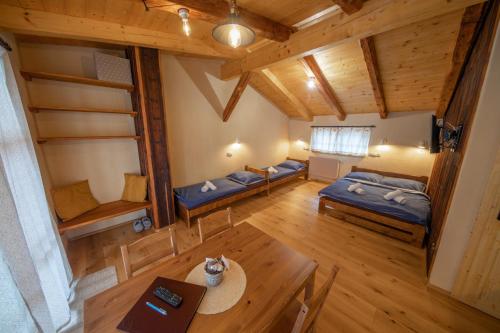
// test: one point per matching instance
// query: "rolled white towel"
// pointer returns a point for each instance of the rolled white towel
(210, 185)
(393, 194)
(353, 187)
(400, 199)
(359, 190)
(204, 188)
(272, 169)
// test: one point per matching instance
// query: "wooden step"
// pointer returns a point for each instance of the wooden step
(103, 212)
(42, 140)
(75, 79)
(36, 109)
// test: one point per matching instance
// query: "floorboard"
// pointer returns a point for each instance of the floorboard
(381, 286)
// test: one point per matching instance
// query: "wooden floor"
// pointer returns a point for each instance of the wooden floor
(381, 286)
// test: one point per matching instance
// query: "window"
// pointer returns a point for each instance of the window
(341, 140)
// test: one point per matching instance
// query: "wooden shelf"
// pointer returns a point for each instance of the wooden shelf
(75, 79)
(101, 213)
(42, 140)
(36, 109)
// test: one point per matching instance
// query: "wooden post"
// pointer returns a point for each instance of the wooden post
(150, 124)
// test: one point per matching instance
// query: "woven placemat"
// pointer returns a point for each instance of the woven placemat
(225, 295)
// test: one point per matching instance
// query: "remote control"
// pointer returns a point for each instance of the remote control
(167, 296)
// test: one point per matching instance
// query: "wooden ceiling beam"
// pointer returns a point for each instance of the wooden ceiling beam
(41, 23)
(215, 11)
(314, 71)
(298, 105)
(375, 17)
(349, 6)
(370, 55)
(235, 97)
(261, 84)
(468, 26)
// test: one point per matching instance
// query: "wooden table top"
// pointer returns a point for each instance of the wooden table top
(276, 274)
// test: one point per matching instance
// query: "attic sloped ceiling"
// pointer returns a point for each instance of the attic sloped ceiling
(413, 61)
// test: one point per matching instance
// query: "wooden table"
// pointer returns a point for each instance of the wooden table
(276, 274)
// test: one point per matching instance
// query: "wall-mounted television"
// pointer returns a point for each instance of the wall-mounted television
(444, 135)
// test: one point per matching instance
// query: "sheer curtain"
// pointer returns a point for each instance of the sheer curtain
(31, 247)
(341, 140)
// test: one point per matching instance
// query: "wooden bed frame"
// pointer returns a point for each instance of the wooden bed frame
(186, 214)
(382, 223)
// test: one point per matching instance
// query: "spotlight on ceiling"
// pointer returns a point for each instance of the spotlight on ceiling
(311, 83)
(184, 15)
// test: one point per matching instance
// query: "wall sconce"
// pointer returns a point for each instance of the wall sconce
(301, 143)
(383, 145)
(237, 144)
(423, 144)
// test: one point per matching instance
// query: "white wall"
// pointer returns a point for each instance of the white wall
(479, 158)
(403, 131)
(103, 163)
(198, 138)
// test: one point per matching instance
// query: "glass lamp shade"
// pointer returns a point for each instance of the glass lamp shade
(233, 33)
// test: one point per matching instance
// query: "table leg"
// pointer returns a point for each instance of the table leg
(309, 289)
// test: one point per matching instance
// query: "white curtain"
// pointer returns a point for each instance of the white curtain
(28, 240)
(341, 140)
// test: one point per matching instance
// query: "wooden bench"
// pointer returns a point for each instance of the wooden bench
(103, 212)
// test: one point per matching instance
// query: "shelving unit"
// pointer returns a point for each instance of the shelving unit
(75, 79)
(37, 109)
(103, 212)
(42, 140)
(107, 210)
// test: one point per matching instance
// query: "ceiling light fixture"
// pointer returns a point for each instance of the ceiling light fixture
(311, 83)
(232, 31)
(184, 15)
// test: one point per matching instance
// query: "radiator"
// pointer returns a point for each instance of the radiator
(323, 168)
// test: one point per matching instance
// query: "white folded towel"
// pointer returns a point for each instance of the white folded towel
(393, 194)
(204, 188)
(400, 199)
(353, 187)
(272, 169)
(210, 185)
(359, 190)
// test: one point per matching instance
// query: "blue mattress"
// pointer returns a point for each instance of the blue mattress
(416, 210)
(192, 197)
(282, 172)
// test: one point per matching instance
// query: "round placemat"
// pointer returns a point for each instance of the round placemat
(225, 295)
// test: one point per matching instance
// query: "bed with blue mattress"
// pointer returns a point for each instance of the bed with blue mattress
(192, 201)
(408, 221)
(287, 171)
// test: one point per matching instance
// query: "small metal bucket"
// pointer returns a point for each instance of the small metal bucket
(213, 280)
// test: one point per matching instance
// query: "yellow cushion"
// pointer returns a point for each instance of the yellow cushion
(135, 189)
(73, 200)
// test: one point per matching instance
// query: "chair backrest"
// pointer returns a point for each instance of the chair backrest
(309, 312)
(149, 249)
(214, 224)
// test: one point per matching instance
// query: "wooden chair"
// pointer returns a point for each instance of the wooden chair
(148, 250)
(214, 224)
(300, 317)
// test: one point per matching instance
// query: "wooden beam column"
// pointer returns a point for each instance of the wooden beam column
(150, 124)
(368, 47)
(314, 71)
(235, 97)
(299, 107)
(468, 25)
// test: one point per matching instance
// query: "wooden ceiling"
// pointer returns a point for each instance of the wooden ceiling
(412, 63)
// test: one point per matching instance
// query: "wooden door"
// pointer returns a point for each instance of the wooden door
(478, 283)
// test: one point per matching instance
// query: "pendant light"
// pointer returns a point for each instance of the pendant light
(232, 31)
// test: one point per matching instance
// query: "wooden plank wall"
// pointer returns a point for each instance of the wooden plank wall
(461, 110)
(150, 125)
